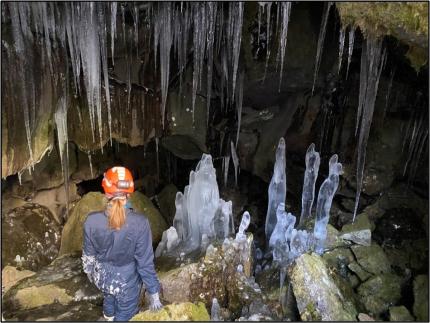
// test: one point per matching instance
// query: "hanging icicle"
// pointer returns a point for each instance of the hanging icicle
(321, 39)
(350, 47)
(341, 46)
(285, 14)
(373, 57)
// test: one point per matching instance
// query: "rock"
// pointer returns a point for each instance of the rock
(411, 254)
(362, 317)
(182, 146)
(338, 258)
(372, 258)
(177, 283)
(166, 202)
(361, 273)
(358, 232)
(333, 239)
(247, 145)
(71, 240)
(32, 236)
(421, 297)
(400, 313)
(379, 292)
(10, 276)
(176, 312)
(60, 282)
(362, 237)
(317, 295)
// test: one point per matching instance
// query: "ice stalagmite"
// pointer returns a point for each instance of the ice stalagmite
(202, 201)
(285, 12)
(311, 174)
(341, 46)
(325, 198)
(321, 39)
(244, 224)
(235, 159)
(215, 310)
(180, 221)
(350, 47)
(277, 188)
(372, 61)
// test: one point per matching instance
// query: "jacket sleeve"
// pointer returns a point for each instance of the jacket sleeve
(144, 256)
(88, 252)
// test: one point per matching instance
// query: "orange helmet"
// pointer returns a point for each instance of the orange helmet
(118, 181)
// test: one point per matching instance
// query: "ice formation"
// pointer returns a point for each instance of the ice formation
(246, 220)
(350, 47)
(235, 159)
(277, 188)
(285, 12)
(311, 174)
(373, 57)
(341, 46)
(215, 310)
(321, 39)
(325, 197)
(226, 163)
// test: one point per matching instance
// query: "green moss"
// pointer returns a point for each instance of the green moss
(176, 312)
(311, 314)
(407, 21)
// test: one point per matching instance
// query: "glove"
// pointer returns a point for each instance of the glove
(155, 304)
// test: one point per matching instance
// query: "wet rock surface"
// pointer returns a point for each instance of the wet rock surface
(372, 259)
(421, 297)
(31, 235)
(61, 282)
(400, 313)
(176, 312)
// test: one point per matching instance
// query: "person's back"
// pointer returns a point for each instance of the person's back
(117, 252)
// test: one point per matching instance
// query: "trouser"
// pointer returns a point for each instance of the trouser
(124, 308)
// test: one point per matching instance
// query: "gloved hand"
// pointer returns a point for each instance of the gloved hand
(155, 304)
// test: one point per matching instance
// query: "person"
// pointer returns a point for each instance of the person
(117, 251)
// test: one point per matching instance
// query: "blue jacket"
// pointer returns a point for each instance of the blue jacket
(116, 261)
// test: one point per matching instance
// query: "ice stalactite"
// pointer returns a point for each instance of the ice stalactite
(387, 96)
(285, 13)
(235, 159)
(268, 13)
(321, 39)
(226, 163)
(311, 174)
(91, 164)
(342, 31)
(199, 47)
(164, 23)
(114, 10)
(373, 56)
(237, 20)
(239, 101)
(158, 158)
(212, 14)
(351, 36)
(325, 198)
(277, 189)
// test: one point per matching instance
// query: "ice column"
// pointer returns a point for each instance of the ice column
(325, 198)
(277, 189)
(311, 174)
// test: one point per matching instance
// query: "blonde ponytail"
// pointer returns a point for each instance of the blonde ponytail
(116, 212)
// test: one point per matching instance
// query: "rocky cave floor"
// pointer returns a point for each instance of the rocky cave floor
(373, 269)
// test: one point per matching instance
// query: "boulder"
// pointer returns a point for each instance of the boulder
(400, 313)
(357, 269)
(177, 283)
(372, 259)
(72, 237)
(10, 276)
(32, 237)
(358, 232)
(166, 202)
(317, 295)
(362, 317)
(421, 298)
(63, 281)
(379, 292)
(176, 312)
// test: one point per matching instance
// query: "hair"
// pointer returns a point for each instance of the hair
(116, 213)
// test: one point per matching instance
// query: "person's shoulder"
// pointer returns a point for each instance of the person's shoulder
(94, 217)
(137, 217)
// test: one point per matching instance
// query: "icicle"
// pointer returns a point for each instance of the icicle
(91, 164)
(260, 10)
(373, 56)
(350, 47)
(387, 96)
(114, 9)
(136, 29)
(285, 8)
(158, 159)
(226, 163)
(212, 10)
(20, 178)
(321, 39)
(60, 117)
(237, 37)
(239, 100)
(269, 6)
(235, 162)
(341, 46)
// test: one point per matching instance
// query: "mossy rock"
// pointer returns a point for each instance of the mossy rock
(372, 258)
(421, 298)
(317, 294)
(400, 313)
(176, 312)
(72, 237)
(379, 292)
